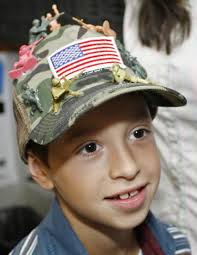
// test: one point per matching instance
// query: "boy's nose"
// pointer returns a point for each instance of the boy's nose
(123, 165)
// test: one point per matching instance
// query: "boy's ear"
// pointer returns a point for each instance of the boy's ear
(39, 172)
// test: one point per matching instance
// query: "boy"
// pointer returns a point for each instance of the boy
(84, 113)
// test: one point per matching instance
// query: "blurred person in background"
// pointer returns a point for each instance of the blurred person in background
(163, 34)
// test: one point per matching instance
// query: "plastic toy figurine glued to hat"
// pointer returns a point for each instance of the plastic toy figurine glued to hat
(62, 75)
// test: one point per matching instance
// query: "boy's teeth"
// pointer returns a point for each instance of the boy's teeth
(124, 196)
(132, 194)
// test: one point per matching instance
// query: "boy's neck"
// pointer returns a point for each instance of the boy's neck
(104, 242)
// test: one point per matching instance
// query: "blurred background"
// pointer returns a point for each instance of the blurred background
(22, 203)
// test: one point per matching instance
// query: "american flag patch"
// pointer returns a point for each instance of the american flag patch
(83, 56)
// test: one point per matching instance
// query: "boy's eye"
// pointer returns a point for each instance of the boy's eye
(139, 133)
(89, 148)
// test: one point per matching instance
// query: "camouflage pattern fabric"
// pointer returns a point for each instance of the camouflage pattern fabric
(34, 102)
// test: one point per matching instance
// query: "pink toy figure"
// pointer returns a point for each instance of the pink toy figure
(26, 62)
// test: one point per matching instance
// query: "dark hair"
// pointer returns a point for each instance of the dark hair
(159, 18)
(40, 151)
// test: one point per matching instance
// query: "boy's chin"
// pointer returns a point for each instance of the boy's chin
(129, 222)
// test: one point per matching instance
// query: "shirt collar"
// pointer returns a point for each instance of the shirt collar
(58, 225)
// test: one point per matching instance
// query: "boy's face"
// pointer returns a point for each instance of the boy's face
(106, 169)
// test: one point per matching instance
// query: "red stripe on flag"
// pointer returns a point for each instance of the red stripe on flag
(83, 68)
(96, 45)
(87, 62)
(97, 48)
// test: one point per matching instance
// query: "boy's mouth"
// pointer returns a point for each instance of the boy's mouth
(129, 199)
(127, 193)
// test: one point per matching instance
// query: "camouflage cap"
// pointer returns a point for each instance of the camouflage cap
(48, 99)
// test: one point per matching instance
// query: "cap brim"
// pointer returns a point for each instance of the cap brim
(53, 125)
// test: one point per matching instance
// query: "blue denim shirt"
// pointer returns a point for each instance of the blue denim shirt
(55, 236)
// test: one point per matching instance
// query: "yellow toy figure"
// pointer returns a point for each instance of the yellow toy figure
(59, 88)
